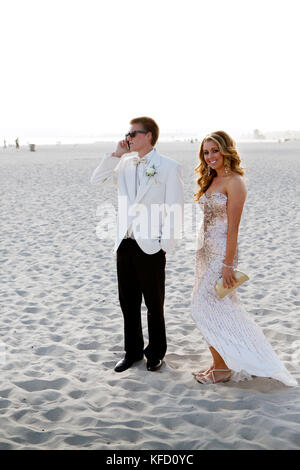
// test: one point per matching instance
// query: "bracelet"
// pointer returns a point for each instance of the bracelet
(227, 266)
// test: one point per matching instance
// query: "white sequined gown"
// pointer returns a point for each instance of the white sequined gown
(224, 323)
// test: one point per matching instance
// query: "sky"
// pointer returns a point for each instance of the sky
(86, 67)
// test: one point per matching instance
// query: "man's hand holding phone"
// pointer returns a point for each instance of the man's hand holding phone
(122, 148)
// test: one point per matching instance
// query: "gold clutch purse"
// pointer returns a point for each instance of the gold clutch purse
(222, 291)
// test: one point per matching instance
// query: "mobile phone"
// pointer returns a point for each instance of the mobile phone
(128, 146)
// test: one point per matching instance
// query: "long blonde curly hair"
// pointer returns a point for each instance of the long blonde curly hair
(232, 160)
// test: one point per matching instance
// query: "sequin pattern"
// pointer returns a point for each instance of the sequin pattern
(224, 323)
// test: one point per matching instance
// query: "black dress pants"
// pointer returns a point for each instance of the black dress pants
(142, 275)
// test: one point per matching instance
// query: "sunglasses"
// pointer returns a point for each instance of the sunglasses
(134, 133)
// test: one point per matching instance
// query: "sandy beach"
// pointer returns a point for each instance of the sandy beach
(62, 329)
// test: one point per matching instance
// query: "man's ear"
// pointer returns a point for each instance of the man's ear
(149, 137)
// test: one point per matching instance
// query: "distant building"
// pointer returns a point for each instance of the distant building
(257, 135)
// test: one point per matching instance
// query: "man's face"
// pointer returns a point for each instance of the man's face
(139, 138)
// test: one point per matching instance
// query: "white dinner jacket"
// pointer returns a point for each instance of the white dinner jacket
(155, 213)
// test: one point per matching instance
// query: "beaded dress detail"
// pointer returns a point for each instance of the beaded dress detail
(224, 323)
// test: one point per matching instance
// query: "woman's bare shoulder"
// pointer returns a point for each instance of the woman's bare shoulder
(236, 180)
(236, 184)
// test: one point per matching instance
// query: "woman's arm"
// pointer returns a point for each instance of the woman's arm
(236, 196)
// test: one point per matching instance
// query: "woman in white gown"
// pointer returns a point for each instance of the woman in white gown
(238, 346)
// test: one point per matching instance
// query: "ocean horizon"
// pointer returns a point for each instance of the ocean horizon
(76, 140)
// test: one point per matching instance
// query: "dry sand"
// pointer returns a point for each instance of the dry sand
(62, 330)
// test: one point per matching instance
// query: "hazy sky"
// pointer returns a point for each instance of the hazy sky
(88, 66)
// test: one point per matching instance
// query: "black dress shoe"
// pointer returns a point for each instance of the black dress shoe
(154, 365)
(124, 364)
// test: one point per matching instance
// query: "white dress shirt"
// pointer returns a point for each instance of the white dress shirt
(140, 170)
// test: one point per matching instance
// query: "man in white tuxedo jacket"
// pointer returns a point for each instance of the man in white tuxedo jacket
(149, 223)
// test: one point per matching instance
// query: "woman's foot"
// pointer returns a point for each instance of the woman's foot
(200, 373)
(214, 376)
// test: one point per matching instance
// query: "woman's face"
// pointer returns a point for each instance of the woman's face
(212, 155)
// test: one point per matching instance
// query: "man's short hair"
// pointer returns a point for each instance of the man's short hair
(149, 125)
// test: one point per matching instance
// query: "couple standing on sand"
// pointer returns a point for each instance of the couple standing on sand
(150, 214)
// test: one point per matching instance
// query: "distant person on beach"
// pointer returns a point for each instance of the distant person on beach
(4, 144)
(238, 347)
(17, 143)
(145, 181)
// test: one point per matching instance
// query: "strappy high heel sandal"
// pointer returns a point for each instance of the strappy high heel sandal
(203, 372)
(206, 380)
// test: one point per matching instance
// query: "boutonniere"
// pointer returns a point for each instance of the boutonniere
(151, 171)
